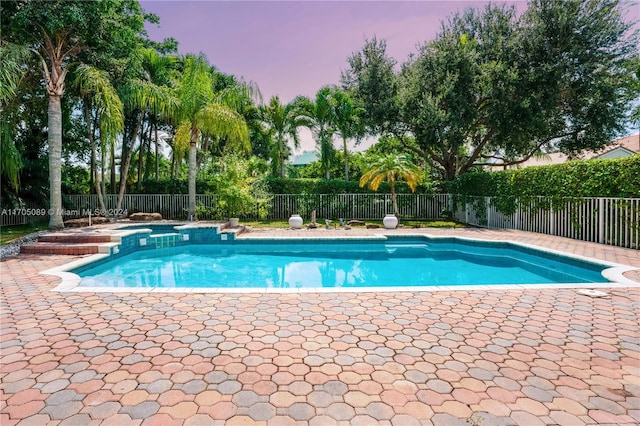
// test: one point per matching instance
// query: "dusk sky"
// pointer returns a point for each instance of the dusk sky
(291, 48)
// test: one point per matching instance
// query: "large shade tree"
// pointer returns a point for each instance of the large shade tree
(494, 87)
(201, 109)
(62, 33)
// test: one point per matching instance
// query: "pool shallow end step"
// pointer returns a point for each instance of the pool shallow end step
(72, 243)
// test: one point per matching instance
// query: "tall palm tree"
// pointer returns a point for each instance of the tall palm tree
(98, 93)
(320, 119)
(347, 121)
(161, 71)
(392, 168)
(283, 122)
(201, 109)
(142, 98)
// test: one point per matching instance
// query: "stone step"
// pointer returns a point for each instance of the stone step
(60, 248)
(74, 238)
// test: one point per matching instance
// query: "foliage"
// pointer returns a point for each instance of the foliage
(239, 188)
(61, 33)
(334, 186)
(202, 112)
(12, 72)
(497, 87)
(282, 122)
(587, 178)
(75, 179)
(392, 168)
(320, 119)
(373, 84)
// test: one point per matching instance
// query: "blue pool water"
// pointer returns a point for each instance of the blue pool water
(346, 264)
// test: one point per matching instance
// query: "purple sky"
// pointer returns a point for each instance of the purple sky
(292, 48)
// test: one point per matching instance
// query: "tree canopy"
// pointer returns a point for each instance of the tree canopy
(496, 88)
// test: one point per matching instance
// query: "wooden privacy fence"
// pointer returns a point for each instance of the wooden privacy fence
(613, 221)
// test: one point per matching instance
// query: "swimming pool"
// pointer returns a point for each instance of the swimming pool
(338, 264)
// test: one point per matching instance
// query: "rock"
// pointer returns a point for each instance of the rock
(355, 222)
(84, 221)
(312, 225)
(144, 217)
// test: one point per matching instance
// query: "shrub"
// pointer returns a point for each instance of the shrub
(587, 178)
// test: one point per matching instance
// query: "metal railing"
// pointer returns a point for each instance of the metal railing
(613, 221)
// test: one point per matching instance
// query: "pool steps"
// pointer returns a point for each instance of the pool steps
(109, 240)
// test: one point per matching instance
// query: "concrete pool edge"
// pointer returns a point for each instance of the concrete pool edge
(614, 272)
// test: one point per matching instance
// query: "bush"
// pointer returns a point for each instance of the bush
(588, 178)
(333, 186)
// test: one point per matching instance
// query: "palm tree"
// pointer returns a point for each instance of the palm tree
(283, 122)
(320, 119)
(347, 121)
(159, 70)
(201, 109)
(12, 58)
(98, 93)
(142, 98)
(392, 168)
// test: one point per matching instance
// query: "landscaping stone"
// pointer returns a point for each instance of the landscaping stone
(145, 217)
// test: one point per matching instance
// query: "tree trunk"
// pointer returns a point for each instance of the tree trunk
(113, 168)
(143, 135)
(281, 156)
(192, 173)
(125, 162)
(346, 159)
(95, 177)
(92, 142)
(394, 201)
(54, 140)
(155, 127)
(103, 185)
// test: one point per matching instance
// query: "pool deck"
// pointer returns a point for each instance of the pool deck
(476, 357)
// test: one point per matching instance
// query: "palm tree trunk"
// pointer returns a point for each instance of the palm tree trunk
(113, 168)
(141, 159)
(192, 173)
(103, 178)
(126, 162)
(54, 140)
(394, 201)
(155, 127)
(95, 177)
(92, 142)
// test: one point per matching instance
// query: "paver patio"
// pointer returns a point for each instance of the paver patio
(485, 357)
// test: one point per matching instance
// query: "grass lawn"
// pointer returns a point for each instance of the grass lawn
(10, 233)
(283, 224)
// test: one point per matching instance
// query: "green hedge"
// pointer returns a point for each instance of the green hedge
(332, 186)
(278, 186)
(589, 178)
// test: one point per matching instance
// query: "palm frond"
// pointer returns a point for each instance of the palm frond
(96, 84)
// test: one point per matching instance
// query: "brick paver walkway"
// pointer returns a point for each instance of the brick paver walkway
(511, 357)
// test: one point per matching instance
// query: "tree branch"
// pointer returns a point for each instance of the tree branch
(471, 161)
